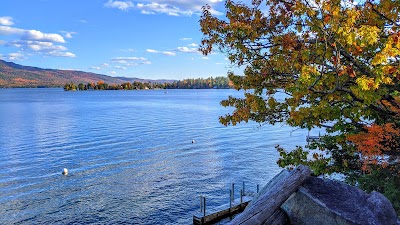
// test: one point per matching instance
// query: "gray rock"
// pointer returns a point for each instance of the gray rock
(381, 207)
(322, 201)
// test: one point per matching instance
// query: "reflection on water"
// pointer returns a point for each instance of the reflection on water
(129, 153)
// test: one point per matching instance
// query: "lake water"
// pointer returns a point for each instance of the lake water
(129, 153)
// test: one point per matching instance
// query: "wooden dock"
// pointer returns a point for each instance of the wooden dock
(215, 214)
(313, 138)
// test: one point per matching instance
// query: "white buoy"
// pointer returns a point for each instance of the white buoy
(192, 141)
(65, 172)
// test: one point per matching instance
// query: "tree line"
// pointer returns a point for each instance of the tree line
(199, 83)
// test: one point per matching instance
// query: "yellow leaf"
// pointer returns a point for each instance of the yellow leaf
(306, 73)
(368, 34)
(367, 83)
(378, 59)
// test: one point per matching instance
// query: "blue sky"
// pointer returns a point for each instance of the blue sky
(146, 38)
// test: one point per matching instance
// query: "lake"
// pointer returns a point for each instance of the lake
(129, 154)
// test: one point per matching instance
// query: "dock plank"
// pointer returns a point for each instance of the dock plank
(220, 212)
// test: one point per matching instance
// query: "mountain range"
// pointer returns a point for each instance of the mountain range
(15, 75)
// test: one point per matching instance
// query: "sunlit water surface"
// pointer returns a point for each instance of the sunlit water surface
(129, 153)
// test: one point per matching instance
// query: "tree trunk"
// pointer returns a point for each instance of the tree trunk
(265, 206)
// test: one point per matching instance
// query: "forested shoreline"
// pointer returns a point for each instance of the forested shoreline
(199, 83)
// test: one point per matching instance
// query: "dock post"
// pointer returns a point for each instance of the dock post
(230, 201)
(201, 203)
(233, 190)
(258, 188)
(204, 205)
(241, 198)
(243, 189)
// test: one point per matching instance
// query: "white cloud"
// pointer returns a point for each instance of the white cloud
(128, 50)
(186, 39)
(130, 61)
(193, 45)
(164, 52)
(15, 56)
(6, 21)
(173, 13)
(122, 5)
(31, 34)
(120, 67)
(152, 51)
(155, 7)
(100, 67)
(65, 54)
(147, 12)
(187, 8)
(187, 50)
(169, 53)
(113, 72)
(121, 61)
(205, 58)
(68, 34)
(39, 36)
(41, 47)
(33, 41)
(83, 21)
(62, 54)
(11, 31)
(168, 7)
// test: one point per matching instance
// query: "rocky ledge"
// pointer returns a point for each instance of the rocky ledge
(297, 198)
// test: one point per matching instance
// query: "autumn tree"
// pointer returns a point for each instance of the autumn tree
(337, 65)
(81, 87)
(70, 87)
(90, 86)
(127, 86)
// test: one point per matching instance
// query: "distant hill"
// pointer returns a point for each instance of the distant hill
(15, 75)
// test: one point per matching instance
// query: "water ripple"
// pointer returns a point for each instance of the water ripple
(130, 155)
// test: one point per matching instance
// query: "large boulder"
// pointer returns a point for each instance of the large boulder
(323, 201)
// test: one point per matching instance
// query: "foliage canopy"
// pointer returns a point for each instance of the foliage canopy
(337, 62)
